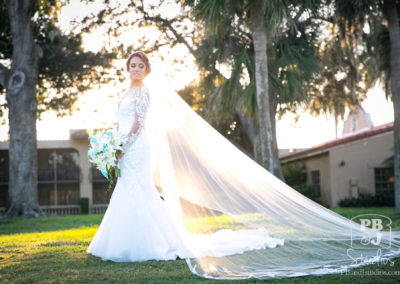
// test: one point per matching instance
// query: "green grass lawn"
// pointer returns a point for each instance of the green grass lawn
(53, 249)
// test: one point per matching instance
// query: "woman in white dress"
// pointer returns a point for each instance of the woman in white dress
(219, 206)
(137, 226)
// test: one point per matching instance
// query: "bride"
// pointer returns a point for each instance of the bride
(222, 212)
(137, 225)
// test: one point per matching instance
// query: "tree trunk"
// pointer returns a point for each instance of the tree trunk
(20, 83)
(277, 169)
(392, 17)
(277, 163)
(245, 120)
(258, 31)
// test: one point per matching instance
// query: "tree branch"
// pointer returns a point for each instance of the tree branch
(168, 24)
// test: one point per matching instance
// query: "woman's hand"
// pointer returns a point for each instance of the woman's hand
(119, 156)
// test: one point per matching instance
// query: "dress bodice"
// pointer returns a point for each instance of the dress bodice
(134, 101)
(132, 108)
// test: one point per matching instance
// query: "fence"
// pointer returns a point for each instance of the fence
(59, 210)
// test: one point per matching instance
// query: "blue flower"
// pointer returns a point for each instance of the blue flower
(104, 172)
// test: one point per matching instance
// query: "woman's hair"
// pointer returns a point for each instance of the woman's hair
(142, 56)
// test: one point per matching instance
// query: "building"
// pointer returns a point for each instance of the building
(64, 175)
(344, 167)
(351, 164)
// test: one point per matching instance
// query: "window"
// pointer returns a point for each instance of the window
(316, 182)
(384, 180)
(100, 186)
(58, 177)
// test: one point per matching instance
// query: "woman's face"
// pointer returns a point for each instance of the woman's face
(137, 69)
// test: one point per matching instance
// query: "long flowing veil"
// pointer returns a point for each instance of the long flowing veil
(210, 185)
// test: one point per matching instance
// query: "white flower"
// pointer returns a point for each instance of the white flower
(103, 149)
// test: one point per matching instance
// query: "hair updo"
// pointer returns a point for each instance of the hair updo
(142, 56)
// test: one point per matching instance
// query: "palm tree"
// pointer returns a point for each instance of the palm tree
(236, 34)
(258, 30)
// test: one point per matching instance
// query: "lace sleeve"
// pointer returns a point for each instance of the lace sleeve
(142, 102)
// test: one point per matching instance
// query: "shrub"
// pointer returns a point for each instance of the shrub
(84, 203)
(294, 174)
(306, 189)
(368, 200)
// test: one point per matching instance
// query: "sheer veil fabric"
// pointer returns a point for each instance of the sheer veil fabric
(212, 189)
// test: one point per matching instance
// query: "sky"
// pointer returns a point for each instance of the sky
(95, 106)
(311, 131)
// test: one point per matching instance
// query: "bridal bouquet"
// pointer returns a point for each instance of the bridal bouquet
(104, 147)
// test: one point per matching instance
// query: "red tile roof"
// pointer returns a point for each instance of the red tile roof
(323, 147)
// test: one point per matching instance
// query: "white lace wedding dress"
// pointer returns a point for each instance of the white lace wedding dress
(137, 225)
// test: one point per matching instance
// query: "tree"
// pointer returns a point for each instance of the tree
(381, 41)
(332, 90)
(259, 35)
(20, 83)
(228, 39)
(392, 17)
(42, 59)
(170, 28)
(220, 35)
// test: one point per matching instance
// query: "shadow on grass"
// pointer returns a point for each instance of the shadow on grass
(83, 268)
(62, 257)
(47, 224)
